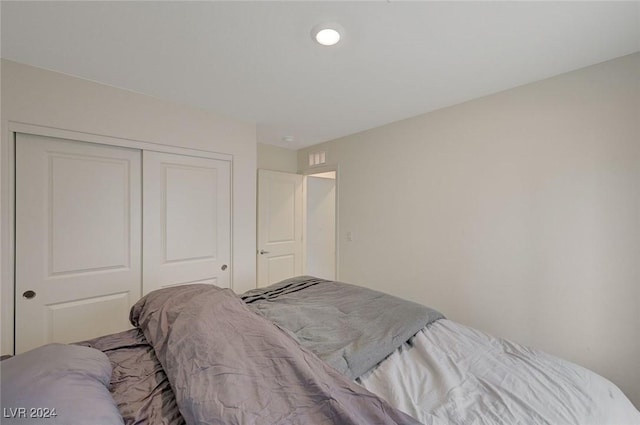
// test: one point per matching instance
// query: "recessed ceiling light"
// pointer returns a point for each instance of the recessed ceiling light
(326, 34)
(288, 139)
(328, 37)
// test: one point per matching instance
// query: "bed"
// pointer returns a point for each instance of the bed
(302, 351)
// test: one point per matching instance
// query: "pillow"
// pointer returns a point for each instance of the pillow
(57, 384)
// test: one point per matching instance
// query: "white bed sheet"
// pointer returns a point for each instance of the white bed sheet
(452, 374)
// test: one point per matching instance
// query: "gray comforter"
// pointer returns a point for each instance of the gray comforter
(350, 327)
(228, 365)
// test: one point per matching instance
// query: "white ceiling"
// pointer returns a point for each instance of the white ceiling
(256, 61)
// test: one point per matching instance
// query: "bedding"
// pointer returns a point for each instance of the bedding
(201, 354)
(139, 386)
(227, 365)
(447, 373)
(57, 384)
(452, 374)
(350, 327)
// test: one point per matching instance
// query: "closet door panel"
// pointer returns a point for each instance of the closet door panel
(187, 220)
(78, 242)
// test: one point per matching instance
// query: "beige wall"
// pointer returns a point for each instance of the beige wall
(276, 158)
(517, 213)
(35, 96)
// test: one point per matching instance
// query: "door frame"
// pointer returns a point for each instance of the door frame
(309, 172)
(7, 205)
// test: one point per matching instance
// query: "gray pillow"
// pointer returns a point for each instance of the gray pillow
(58, 384)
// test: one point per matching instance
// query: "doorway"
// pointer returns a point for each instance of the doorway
(320, 225)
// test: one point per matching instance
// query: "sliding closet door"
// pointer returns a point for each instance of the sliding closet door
(78, 254)
(187, 220)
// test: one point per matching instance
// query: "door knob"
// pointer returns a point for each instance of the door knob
(224, 267)
(29, 294)
(262, 252)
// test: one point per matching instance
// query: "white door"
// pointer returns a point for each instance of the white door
(280, 205)
(77, 239)
(187, 220)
